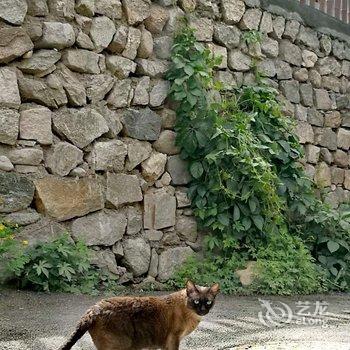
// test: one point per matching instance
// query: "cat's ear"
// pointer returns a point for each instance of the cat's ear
(191, 288)
(215, 289)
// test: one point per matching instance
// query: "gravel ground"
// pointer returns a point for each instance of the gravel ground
(42, 321)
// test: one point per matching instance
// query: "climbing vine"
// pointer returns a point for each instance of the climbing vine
(249, 191)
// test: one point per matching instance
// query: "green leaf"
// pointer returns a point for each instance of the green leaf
(189, 70)
(258, 221)
(333, 246)
(236, 213)
(196, 170)
(224, 219)
(252, 204)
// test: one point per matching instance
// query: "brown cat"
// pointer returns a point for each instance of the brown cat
(133, 323)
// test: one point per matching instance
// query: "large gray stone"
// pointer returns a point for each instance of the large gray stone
(166, 143)
(153, 266)
(306, 95)
(120, 66)
(328, 65)
(326, 137)
(134, 216)
(290, 89)
(343, 138)
(170, 260)
(102, 32)
(141, 92)
(100, 228)
(154, 166)
(132, 43)
(309, 58)
(121, 94)
(182, 197)
(142, 124)
(308, 37)
(270, 47)
(232, 10)
(105, 259)
(305, 132)
(119, 40)
(322, 99)
(98, 86)
(75, 90)
(203, 27)
(157, 18)
(35, 124)
(322, 176)
(44, 230)
(227, 35)
(108, 155)
(138, 151)
(16, 192)
(145, 48)
(278, 27)
(122, 188)
(154, 68)
(62, 158)
(9, 93)
(159, 209)
(291, 30)
(40, 91)
(283, 70)
(41, 62)
(9, 122)
(26, 156)
(266, 25)
(65, 199)
(159, 93)
(13, 11)
(136, 10)
(23, 217)
(80, 126)
(178, 170)
(62, 8)
(15, 42)
(290, 53)
(251, 19)
(186, 227)
(5, 164)
(57, 35)
(137, 255)
(239, 61)
(110, 8)
(82, 61)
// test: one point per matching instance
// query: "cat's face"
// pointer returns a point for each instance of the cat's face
(201, 299)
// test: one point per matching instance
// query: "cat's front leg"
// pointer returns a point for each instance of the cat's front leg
(173, 342)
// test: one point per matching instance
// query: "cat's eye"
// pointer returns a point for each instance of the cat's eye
(209, 302)
(196, 302)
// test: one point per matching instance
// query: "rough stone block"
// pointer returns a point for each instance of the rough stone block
(64, 199)
(122, 188)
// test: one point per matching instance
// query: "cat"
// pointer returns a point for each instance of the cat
(135, 323)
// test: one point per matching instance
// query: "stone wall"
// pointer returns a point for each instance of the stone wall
(87, 136)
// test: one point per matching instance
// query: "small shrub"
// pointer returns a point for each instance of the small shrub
(210, 270)
(58, 266)
(285, 266)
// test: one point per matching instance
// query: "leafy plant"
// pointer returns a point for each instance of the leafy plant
(252, 36)
(61, 265)
(249, 190)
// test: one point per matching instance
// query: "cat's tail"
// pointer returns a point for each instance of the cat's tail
(83, 326)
